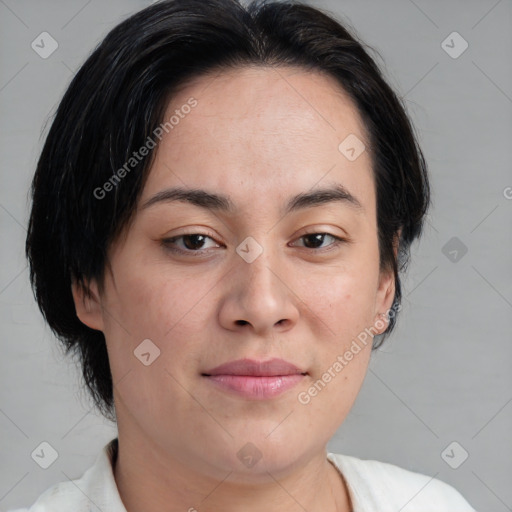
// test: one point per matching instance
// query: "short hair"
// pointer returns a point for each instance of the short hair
(118, 98)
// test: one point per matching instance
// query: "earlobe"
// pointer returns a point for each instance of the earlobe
(87, 304)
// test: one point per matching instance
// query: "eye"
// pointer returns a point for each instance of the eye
(314, 240)
(194, 243)
(189, 243)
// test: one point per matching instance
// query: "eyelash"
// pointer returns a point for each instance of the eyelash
(167, 243)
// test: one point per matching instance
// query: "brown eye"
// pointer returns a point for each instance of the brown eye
(193, 242)
(188, 243)
(315, 241)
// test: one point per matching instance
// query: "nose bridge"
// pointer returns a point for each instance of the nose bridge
(259, 266)
(257, 295)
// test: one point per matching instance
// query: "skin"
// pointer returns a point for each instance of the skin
(258, 135)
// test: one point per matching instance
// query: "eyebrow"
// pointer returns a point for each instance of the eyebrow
(335, 193)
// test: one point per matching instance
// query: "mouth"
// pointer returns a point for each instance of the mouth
(257, 380)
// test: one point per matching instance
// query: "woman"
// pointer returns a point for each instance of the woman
(220, 213)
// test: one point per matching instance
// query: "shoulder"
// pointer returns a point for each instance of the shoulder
(389, 487)
(58, 498)
(97, 485)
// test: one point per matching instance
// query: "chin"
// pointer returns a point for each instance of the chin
(256, 453)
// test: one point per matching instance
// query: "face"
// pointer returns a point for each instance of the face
(265, 279)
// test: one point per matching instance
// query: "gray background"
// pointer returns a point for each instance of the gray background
(443, 376)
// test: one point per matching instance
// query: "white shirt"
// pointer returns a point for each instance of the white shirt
(373, 487)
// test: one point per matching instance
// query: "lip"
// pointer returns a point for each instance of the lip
(258, 380)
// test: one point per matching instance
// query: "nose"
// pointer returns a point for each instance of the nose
(259, 296)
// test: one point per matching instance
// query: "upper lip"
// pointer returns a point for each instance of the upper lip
(269, 368)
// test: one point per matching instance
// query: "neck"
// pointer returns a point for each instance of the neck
(153, 481)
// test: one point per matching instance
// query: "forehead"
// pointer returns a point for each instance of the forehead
(261, 134)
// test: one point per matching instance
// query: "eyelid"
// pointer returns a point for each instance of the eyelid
(338, 240)
(319, 229)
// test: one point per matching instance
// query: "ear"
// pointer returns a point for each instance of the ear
(386, 289)
(87, 304)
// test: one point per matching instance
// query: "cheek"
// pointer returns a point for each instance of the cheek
(344, 300)
(153, 304)
(170, 313)
(174, 313)
(342, 355)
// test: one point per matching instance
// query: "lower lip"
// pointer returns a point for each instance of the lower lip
(257, 388)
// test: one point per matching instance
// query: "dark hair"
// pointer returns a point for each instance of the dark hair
(118, 98)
